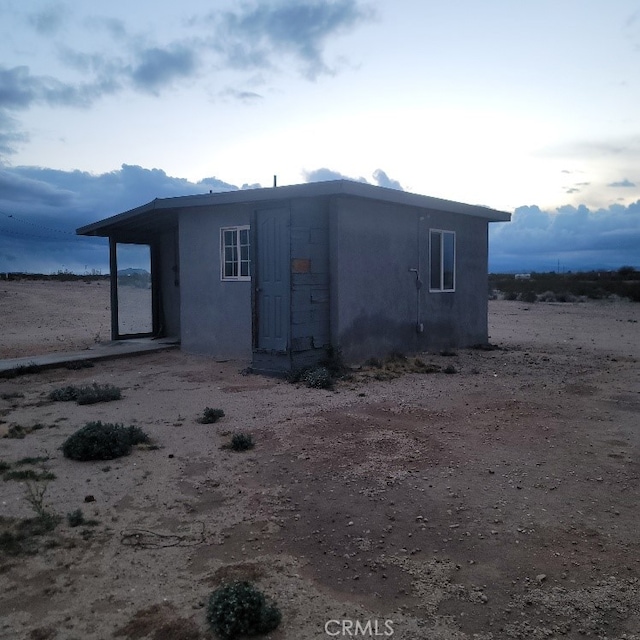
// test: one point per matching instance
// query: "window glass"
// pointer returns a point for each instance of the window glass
(448, 261)
(436, 273)
(442, 262)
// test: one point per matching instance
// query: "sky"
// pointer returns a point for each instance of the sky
(530, 108)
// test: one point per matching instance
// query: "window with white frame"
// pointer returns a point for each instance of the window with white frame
(442, 248)
(234, 253)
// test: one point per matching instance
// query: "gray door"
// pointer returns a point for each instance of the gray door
(272, 253)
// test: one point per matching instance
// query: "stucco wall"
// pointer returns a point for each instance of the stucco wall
(215, 315)
(169, 283)
(374, 301)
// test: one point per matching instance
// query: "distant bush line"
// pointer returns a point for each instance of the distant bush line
(568, 287)
(60, 276)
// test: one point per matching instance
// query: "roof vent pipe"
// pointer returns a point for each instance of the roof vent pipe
(275, 181)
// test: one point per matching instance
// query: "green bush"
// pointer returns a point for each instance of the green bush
(75, 518)
(240, 609)
(209, 415)
(87, 394)
(242, 442)
(98, 441)
(318, 378)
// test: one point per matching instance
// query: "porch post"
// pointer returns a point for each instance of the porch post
(113, 279)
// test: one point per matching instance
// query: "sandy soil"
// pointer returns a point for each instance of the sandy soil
(497, 502)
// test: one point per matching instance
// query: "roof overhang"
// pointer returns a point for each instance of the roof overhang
(162, 214)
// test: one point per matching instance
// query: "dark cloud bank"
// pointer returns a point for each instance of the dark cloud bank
(41, 208)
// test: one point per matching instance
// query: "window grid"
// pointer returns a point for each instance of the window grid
(234, 253)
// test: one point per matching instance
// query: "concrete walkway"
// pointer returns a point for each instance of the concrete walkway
(100, 351)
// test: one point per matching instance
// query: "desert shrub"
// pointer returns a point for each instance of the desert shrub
(376, 363)
(64, 394)
(98, 393)
(32, 460)
(28, 474)
(240, 609)
(87, 394)
(102, 441)
(565, 296)
(16, 432)
(75, 518)
(334, 363)
(528, 296)
(511, 295)
(450, 369)
(547, 296)
(209, 415)
(318, 378)
(242, 441)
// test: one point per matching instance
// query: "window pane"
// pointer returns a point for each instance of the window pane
(244, 237)
(435, 281)
(229, 238)
(448, 260)
(244, 268)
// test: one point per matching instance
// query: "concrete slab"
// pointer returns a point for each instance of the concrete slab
(100, 351)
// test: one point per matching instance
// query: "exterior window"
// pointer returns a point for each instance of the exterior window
(234, 253)
(442, 245)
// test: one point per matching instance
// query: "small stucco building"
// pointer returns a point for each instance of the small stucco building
(277, 275)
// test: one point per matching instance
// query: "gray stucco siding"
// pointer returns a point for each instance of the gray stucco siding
(376, 305)
(169, 283)
(373, 293)
(458, 318)
(215, 314)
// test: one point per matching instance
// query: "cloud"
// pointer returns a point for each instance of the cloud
(578, 237)
(10, 136)
(323, 174)
(157, 67)
(383, 180)
(40, 209)
(19, 89)
(254, 35)
(49, 20)
(622, 183)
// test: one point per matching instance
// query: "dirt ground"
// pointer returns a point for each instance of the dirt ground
(498, 502)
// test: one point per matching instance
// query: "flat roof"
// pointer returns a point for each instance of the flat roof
(162, 212)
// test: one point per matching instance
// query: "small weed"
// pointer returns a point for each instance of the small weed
(21, 370)
(12, 396)
(17, 537)
(79, 364)
(318, 378)
(447, 353)
(209, 415)
(240, 609)
(241, 442)
(375, 363)
(87, 394)
(28, 474)
(102, 441)
(450, 369)
(32, 460)
(16, 432)
(76, 519)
